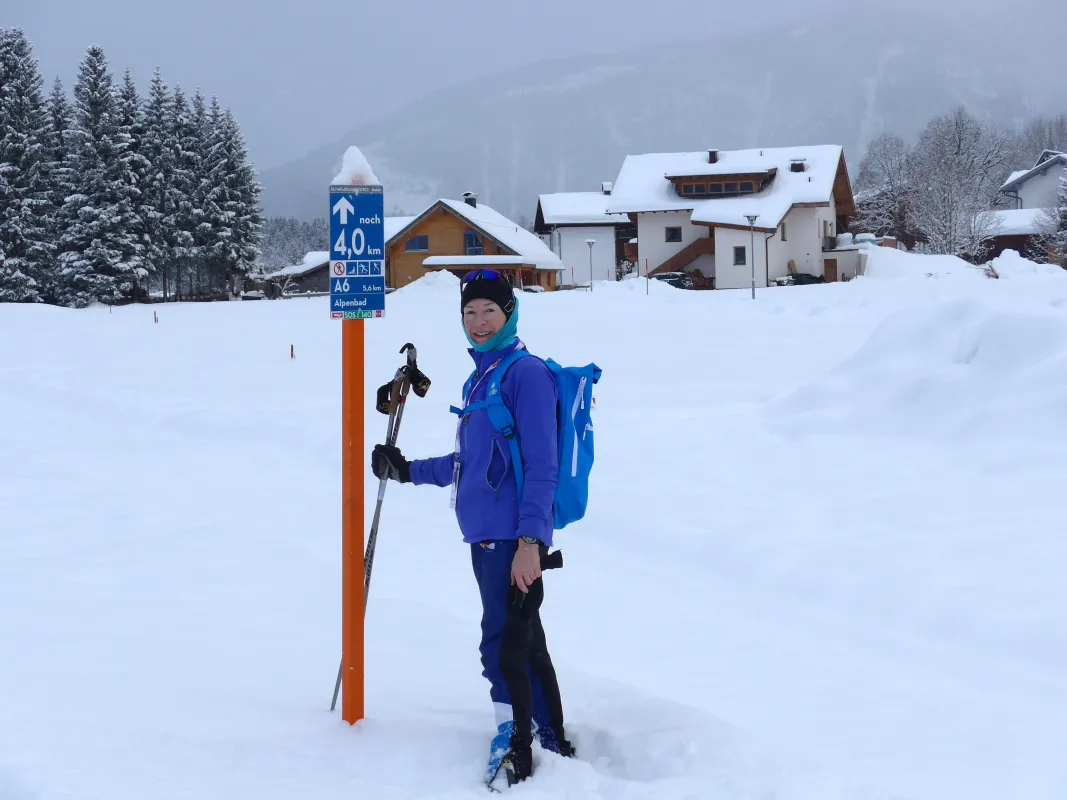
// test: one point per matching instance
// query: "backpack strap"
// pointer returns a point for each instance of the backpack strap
(499, 414)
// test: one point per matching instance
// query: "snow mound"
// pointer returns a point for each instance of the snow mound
(1010, 264)
(355, 170)
(888, 262)
(437, 282)
(954, 368)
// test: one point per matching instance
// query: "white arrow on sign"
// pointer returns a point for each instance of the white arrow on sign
(344, 208)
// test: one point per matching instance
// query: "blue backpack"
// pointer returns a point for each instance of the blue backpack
(574, 430)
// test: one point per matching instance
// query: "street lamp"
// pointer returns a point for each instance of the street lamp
(752, 248)
(590, 242)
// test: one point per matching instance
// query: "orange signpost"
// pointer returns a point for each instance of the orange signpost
(352, 394)
(357, 293)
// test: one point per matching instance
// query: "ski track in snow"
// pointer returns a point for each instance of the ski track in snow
(788, 585)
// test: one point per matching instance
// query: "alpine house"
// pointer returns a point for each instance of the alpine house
(692, 212)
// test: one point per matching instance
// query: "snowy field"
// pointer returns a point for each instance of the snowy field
(824, 558)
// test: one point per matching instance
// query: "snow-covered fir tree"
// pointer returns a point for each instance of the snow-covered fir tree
(286, 240)
(160, 196)
(24, 201)
(205, 233)
(96, 221)
(59, 170)
(233, 201)
(185, 214)
(135, 178)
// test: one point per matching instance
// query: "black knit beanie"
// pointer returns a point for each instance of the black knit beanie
(496, 289)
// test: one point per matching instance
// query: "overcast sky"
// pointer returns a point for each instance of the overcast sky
(299, 73)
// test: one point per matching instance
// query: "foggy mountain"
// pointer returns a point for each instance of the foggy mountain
(565, 125)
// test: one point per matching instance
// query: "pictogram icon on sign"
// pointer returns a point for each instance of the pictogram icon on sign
(338, 267)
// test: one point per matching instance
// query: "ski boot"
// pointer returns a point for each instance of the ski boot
(554, 741)
(511, 753)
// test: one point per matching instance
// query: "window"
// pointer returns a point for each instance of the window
(783, 232)
(739, 257)
(472, 244)
(672, 234)
(417, 244)
(708, 189)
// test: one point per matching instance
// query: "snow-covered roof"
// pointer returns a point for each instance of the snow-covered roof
(393, 225)
(492, 223)
(1015, 175)
(1020, 221)
(311, 262)
(1022, 176)
(481, 261)
(510, 234)
(643, 185)
(578, 208)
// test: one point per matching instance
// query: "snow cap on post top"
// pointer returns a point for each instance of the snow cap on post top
(355, 170)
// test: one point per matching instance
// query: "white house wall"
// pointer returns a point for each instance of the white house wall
(569, 244)
(728, 276)
(777, 251)
(1041, 190)
(803, 243)
(651, 236)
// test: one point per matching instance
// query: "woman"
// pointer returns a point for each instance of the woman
(508, 535)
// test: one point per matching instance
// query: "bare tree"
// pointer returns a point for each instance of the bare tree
(955, 173)
(1038, 135)
(882, 188)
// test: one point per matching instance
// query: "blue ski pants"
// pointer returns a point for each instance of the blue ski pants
(492, 569)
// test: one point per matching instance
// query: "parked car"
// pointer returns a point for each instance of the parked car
(799, 279)
(680, 280)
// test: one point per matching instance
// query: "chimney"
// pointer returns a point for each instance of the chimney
(713, 156)
(797, 164)
(471, 199)
(606, 187)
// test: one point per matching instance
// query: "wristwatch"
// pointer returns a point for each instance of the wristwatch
(530, 540)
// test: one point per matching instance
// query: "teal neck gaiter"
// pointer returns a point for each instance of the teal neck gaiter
(503, 338)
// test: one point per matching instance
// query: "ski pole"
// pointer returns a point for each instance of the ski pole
(392, 398)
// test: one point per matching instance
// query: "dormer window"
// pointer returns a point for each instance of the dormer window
(718, 189)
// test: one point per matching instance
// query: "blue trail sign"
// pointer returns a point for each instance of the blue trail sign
(357, 252)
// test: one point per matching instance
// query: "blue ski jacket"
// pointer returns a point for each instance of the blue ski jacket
(487, 505)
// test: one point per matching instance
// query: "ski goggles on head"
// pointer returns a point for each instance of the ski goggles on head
(487, 274)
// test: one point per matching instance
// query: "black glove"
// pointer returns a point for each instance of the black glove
(386, 460)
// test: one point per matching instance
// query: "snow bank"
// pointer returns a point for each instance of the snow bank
(436, 283)
(758, 591)
(355, 170)
(1010, 264)
(958, 368)
(888, 262)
